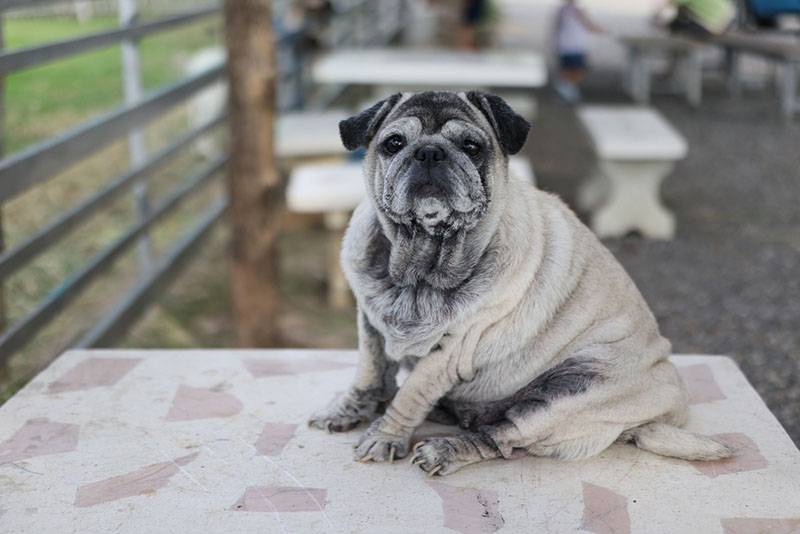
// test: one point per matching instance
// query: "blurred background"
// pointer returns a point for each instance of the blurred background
(114, 142)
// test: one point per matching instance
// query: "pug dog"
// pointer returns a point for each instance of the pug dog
(513, 320)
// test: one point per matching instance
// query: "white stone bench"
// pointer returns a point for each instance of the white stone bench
(338, 187)
(636, 149)
(216, 441)
(334, 190)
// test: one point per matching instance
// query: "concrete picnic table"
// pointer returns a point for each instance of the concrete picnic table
(147, 441)
(643, 48)
(444, 69)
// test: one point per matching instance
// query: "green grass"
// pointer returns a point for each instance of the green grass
(44, 100)
(49, 99)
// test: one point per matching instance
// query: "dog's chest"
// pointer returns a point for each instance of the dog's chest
(401, 319)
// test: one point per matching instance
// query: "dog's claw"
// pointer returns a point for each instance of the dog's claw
(329, 427)
(418, 444)
(391, 454)
(416, 460)
(435, 470)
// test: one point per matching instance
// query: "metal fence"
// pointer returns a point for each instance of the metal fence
(353, 20)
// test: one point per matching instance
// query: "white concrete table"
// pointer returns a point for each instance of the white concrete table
(446, 69)
(216, 441)
(645, 50)
(636, 149)
(309, 134)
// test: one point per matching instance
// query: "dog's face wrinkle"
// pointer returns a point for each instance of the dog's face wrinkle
(461, 178)
(434, 109)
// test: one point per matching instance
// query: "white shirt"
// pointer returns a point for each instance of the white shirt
(572, 35)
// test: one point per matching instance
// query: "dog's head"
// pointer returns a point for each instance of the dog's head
(435, 158)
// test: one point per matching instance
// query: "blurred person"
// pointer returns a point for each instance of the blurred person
(572, 29)
(699, 18)
(473, 13)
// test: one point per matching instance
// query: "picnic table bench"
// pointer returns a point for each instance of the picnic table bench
(636, 149)
(136, 441)
(307, 134)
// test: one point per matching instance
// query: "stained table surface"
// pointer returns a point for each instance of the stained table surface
(216, 441)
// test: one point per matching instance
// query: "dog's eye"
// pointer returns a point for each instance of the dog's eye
(471, 147)
(394, 144)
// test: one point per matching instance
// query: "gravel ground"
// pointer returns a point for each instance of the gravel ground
(729, 283)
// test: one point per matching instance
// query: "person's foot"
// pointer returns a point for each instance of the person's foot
(568, 92)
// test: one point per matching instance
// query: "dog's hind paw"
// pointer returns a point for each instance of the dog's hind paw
(437, 456)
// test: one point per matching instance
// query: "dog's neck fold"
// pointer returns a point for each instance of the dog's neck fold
(444, 263)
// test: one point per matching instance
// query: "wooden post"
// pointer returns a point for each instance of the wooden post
(255, 187)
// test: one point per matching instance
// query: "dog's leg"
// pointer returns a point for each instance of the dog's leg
(446, 454)
(389, 436)
(374, 384)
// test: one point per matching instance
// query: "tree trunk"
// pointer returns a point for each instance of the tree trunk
(255, 186)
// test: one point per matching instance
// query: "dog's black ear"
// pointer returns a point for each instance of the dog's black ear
(359, 130)
(511, 129)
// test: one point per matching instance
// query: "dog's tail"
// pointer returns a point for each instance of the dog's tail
(668, 440)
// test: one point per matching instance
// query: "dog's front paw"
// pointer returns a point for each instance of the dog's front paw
(437, 456)
(378, 446)
(343, 414)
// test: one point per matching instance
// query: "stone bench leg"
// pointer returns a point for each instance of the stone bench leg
(694, 78)
(639, 77)
(788, 89)
(634, 201)
(593, 192)
(733, 73)
(338, 290)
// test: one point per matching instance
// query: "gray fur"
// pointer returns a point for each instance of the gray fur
(570, 377)
(508, 309)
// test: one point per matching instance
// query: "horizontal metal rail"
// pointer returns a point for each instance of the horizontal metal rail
(39, 162)
(24, 58)
(44, 237)
(16, 4)
(23, 330)
(115, 324)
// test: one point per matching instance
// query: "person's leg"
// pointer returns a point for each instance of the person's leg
(572, 73)
(471, 16)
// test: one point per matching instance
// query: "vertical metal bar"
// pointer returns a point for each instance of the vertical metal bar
(132, 84)
(2, 151)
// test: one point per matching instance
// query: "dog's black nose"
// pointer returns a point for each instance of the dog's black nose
(430, 154)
